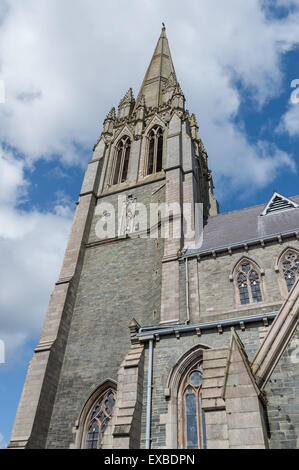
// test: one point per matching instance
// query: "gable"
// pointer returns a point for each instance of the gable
(277, 203)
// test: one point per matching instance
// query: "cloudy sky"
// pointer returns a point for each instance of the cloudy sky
(65, 63)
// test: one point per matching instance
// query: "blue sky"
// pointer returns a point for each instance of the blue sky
(65, 64)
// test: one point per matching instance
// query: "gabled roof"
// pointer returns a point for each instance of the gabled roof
(278, 202)
(230, 228)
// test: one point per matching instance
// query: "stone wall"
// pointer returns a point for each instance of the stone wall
(167, 352)
(282, 392)
(217, 292)
(119, 281)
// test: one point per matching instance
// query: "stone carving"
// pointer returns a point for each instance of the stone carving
(127, 219)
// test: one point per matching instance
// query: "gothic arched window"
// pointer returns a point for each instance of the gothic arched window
(155, 150)
(122, 157)
(192, 418)
(289, 267)
(99, 419)
(248, 282)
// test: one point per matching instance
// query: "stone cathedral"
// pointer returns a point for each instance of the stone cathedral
(158, 341)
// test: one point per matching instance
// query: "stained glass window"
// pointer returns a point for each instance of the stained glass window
(155, 150)
(99, 420)
(255, 286)
(289, 267)
(122, 159)
(193, 415)
(93, 436)
(243, 289)
(248, 283)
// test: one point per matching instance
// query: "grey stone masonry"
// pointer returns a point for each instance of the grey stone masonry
(119, 280)
(128, 408)
(282, 393)
(36, 404)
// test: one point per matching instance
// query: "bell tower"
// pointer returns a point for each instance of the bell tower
(149, 152)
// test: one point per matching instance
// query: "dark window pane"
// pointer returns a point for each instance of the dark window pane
(126, 164)
(117, 166)
(195, 378)
(96, 410)
(191, 420)
(150, 164)
(159, 153)
(290, 279)
(93, 435)
(245, 267)
(255, 287)
(243, 289)
(203, 427)
(256, 292)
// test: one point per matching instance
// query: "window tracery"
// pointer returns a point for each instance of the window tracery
(248, 282)
(193, 433)
(99, 420)
(122, 158)
(289, 267)
(155, 150)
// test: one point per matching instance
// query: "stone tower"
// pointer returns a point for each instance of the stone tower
(93, 380)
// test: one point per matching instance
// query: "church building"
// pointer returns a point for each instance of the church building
(185, 338)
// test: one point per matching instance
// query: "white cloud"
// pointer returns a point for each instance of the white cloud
(71, 61)
(66, 63)
(290, 120)
(11, 177)
(31, 250)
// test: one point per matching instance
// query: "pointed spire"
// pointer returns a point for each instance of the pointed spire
(158, 73)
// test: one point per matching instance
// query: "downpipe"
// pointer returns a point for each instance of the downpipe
(187, 291)
(149, 393)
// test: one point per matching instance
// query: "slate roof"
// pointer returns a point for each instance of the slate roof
(229, 228)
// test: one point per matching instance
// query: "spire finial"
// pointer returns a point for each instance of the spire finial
(163, 25)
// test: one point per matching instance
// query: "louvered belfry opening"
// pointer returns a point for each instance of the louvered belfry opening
(279, 204)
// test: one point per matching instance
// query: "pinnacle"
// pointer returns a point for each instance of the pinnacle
(178, 90)
(141, 102)
(128, 98)
(158, 73)
(111, 114)
(193, 121)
